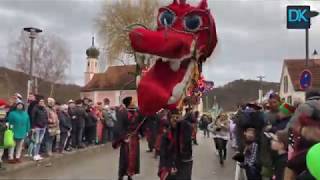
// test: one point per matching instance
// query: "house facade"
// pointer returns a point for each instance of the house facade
(290, 89)
(115, 84)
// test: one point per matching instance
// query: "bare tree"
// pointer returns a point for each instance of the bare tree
(52, 57)
(115, 17)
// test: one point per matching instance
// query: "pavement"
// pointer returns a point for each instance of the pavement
(101, 162)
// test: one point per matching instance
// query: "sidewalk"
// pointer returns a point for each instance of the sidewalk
(47, 162)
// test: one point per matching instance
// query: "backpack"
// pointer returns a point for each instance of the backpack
(108, 118)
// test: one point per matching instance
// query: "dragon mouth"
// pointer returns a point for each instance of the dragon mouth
(173, 58)
(164, 84)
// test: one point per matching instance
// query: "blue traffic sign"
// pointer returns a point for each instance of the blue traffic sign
(305, 79)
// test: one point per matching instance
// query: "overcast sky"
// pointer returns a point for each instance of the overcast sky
(253, 39)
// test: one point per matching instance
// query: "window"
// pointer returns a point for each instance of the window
(289, 100)
(285, 84)
(88, 64)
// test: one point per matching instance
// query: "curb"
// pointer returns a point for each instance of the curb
(28, 163)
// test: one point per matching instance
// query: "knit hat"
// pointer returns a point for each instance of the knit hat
(286, 109)
(275, 96)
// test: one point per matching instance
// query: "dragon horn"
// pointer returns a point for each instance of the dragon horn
(174, 2)
(182, 2)
(203, 4)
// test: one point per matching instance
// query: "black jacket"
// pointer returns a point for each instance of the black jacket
(91, 119)
(279, 166)
(184, 140)
(64, 122)
(39, 117)
(80, 116)
(167, 150)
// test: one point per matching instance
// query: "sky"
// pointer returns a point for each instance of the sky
(252, 35)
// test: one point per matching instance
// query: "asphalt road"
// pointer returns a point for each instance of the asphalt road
(102, 164)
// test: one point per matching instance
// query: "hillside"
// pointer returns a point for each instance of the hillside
(239, 91)
(14, 81)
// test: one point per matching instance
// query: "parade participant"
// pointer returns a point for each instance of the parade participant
(127, 129)
(163, 120)
(19, 122)
(220, 130)
(168, 153)
(279, 144)
(195, 126)
(204, 122)
(149, 129)
(39, 125)
(183, 136)
(100, 125)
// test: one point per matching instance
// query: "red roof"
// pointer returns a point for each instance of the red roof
(115, 78)
(296, 66)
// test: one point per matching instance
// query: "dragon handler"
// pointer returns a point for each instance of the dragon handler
(127, 131)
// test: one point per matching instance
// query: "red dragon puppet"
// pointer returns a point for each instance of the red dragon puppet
(184, 38)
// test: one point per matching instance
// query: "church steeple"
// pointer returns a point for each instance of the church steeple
(92, 52)
(92, 64)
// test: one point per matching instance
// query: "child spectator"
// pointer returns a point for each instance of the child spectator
(251, 154)
(279, 144)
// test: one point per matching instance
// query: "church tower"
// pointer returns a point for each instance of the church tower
(92, 62)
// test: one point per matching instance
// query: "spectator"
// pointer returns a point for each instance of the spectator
(3, 128)
(91, 125)
(71, 107)
(284, 115)
(100, 125)
(279, 144)
(251, 154)
(312, 100)
(39, 125)
(65, 126)
(53, 131)
(270, 117)
(20, 124)
(108, 120)
(78, 124)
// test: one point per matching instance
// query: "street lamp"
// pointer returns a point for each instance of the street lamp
(32, 35)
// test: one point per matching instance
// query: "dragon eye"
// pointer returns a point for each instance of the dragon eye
(166, 18)
(192, 22)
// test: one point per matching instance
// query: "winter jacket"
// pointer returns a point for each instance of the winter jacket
(53, 122)
(279, 166)
(64, 122)
(39, 117)
(91, 119)
(20, 123)
(220, 128)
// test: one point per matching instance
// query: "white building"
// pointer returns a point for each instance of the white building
(115, 83)
(290, 88)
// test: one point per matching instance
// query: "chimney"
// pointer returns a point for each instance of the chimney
(316, 57)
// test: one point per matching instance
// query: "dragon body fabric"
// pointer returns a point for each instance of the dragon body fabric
(184, 38)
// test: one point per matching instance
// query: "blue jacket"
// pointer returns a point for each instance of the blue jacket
(20, 123)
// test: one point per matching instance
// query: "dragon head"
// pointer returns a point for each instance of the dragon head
(184, 38)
